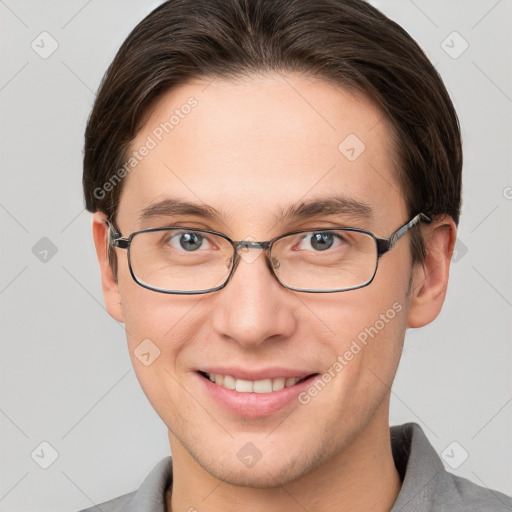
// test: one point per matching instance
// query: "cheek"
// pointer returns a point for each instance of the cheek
(158, 328)
(361, 369)
(150, 314)
(367, 329)
(371, 338)
(381, 325)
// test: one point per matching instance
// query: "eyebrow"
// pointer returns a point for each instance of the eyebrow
(335, 205)
(170, 206)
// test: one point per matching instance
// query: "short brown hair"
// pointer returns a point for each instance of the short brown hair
(345, 42)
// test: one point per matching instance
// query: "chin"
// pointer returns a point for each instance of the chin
(274, 469)
(267, 476)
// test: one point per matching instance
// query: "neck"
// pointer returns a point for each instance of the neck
(362, 477)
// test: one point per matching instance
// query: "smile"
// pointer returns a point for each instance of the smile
(252, 386)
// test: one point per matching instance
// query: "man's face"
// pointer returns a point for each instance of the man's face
(252, 149)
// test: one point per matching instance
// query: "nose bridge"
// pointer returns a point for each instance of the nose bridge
(252, 244)
(252, 307)
(249, 251)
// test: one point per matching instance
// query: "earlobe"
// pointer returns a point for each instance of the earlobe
(111, 294)
(430, 278)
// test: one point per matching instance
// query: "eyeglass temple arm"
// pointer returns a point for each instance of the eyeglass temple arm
(115, 239)
(386, 244)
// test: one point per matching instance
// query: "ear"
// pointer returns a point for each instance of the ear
(111, 294)
(430, 278)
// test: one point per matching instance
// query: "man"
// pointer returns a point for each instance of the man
(276, 190)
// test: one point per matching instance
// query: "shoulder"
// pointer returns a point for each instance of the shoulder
(113, 505)
(150, 497)
(457, 493)
(427, 486)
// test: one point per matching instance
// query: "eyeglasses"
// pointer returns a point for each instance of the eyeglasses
(183, 260)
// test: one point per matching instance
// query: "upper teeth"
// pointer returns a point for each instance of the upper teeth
(252, 386)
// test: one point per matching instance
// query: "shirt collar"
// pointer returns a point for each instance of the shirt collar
(419, 467)
(151, 494)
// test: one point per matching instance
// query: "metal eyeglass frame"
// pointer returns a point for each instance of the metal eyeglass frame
(383, 246)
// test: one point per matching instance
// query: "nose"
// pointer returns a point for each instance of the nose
(253, 307)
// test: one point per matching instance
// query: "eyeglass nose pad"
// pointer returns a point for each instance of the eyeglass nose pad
(230, 261)
(275, 263)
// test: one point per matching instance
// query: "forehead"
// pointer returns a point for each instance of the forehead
(259, 145)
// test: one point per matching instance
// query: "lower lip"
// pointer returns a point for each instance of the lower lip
(255, 405)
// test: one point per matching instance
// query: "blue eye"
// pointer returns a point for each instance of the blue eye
(322, 241)
(189, 241)
(319, 241)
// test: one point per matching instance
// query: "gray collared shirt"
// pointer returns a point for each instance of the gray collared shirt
(426, 485)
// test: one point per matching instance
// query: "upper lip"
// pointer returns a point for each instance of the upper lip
(254, 375)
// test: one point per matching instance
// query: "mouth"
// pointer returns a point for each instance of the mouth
(254, 386)
(254, 393)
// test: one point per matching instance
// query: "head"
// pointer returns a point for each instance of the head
(253, 112)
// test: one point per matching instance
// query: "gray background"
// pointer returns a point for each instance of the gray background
(66, 377)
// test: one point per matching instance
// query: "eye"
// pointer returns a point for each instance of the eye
(189, 241)
(320, 241)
